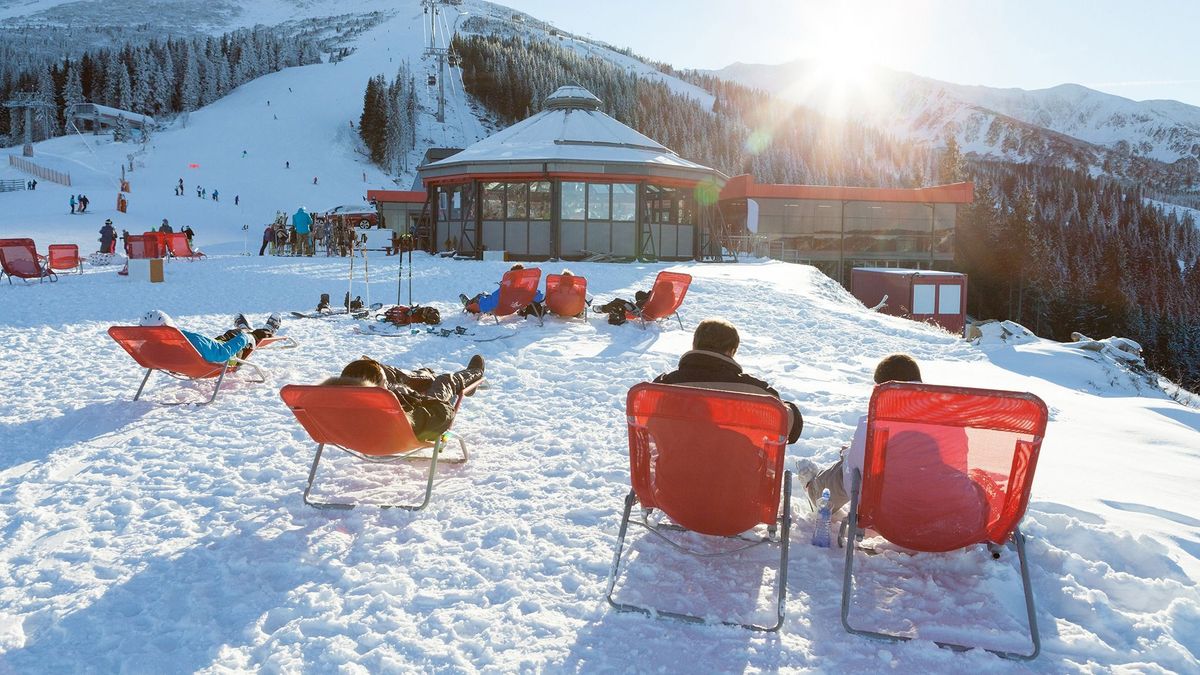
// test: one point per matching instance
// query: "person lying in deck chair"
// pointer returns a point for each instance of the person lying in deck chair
(710, 365)
(427, 399)
(837, 476)
(484, 303)
(239, 341)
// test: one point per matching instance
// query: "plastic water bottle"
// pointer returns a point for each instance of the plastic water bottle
(823, 534)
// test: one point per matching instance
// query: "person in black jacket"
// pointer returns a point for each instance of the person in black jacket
(710, 365)
(427, 399)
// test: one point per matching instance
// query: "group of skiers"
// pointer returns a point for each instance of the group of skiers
(202, 193)
(305, 234)
(79, 203)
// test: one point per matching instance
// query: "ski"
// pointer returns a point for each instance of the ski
(389, 330)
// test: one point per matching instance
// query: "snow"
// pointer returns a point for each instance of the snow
(139, 537)
(136, 537)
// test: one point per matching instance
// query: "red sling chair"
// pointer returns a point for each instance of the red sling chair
(19, 258)
(177, 244)
(517, 290)
(566, 295)
(165, 348)
(712, 461)
(665, 298)
(65, 257)
(946, 468)
(368, 423)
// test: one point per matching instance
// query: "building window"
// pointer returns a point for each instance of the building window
(539, 200)
(517, 199)
(493, 201)
(574, 201)
(624, 202)
(599, 207)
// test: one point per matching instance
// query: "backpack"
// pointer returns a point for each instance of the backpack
(403, 316)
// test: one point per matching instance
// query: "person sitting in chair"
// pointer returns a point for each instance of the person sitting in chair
(427, 399)
(485, 303)
(710, 365)
(237, 342)
(837, 477)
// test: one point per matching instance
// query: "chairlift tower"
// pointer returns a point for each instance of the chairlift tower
(432, 9)
(29, 102)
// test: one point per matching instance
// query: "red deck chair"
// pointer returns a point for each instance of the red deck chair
(65, 257)
(19, 258)
(665, 298)
(566, 295)
(517, 290)
(368, 423)
(712, 461)
(165, 348)
(177, 244)
(945, 468)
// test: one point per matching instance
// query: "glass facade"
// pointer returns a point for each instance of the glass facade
(909, 234)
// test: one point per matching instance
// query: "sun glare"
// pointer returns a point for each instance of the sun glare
(843, 46)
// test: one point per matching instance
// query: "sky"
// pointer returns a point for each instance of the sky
(1140, 50)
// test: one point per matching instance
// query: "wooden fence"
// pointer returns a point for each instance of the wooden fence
(40, 171)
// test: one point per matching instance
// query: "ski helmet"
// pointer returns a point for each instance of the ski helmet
(156, 317)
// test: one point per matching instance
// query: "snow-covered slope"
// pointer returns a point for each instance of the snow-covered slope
(1067, 122)
(141, 538)
(301, 118)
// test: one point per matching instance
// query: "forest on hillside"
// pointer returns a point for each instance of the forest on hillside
(1055, 250)
(157, 76)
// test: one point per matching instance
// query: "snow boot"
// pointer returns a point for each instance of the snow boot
(241, 323)
(323, 305)
(274, 322)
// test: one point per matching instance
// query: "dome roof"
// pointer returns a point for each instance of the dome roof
(570, 136)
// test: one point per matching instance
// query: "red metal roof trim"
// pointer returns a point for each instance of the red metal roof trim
(393, 196)
(744, 186)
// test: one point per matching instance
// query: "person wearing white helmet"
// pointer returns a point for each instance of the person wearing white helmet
(239, 341)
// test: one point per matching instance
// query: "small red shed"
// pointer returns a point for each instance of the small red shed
(937, 297)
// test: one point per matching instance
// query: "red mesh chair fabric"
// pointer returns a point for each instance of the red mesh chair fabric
(164, 348)
(517, 290)
(566, 294)
(947, 467)
(711, 460)
(367, 420)
(666, 295)
(177, 244)
(64, 257)
(19, 258)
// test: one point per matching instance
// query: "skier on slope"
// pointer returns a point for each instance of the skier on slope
(72, 203)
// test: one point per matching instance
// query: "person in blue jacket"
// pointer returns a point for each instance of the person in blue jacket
(236, 342)
(485, 303)
(302, 221)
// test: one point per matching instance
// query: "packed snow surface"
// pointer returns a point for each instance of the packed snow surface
(137, 537)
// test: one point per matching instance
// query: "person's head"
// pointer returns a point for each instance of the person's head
(108, 221)
(156, 317)
(716, 335)
(567, 273)
(164, 221)
(367, 371)
(515, 267)
(897, 368)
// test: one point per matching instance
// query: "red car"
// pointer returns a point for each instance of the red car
(353, 215)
